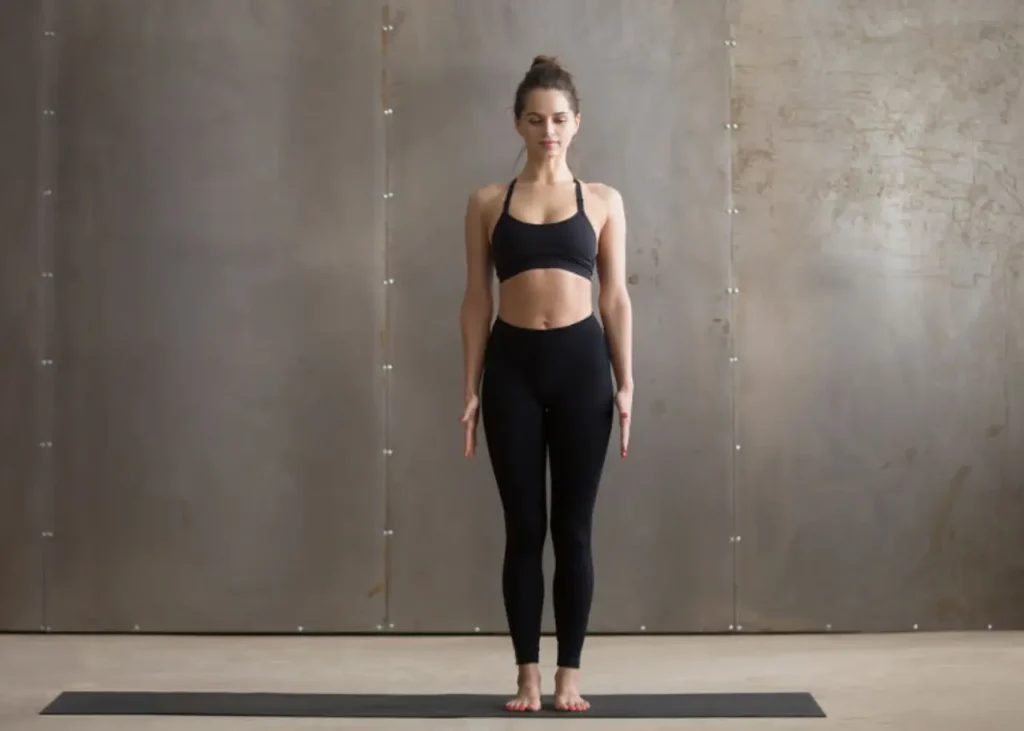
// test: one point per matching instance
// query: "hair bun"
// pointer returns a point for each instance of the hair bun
(543, 60)
(546, 73)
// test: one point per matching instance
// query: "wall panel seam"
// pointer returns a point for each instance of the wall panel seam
(734, 447)
(386, 331)
(45, 345)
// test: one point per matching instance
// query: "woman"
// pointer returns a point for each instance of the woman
(546, 368)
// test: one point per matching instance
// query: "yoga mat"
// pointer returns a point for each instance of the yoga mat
(329, 705)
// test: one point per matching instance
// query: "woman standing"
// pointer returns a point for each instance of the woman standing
(541, 376)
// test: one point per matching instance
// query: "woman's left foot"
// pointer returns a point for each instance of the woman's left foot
(567, 691)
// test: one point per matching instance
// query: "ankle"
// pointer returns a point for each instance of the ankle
(529, 674)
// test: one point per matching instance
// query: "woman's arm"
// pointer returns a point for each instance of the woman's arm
(613, 300)
(477, 301)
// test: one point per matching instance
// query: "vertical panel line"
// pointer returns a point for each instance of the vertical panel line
(385, 36)
(734, 447)
(45, 347)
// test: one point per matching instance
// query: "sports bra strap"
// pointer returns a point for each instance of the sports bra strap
(508, 195)
(512, 185)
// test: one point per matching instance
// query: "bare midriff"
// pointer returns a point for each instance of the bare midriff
(542, 299)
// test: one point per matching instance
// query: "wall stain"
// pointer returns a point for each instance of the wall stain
(942, 525)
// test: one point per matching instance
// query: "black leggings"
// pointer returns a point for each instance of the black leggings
(547, 392)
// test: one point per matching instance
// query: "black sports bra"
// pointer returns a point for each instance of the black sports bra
(518, 246)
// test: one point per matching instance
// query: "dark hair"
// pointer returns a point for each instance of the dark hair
(546, 73)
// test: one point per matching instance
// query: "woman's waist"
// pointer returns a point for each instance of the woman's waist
(545, 299)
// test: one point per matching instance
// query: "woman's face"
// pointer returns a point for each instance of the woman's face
(548, 123)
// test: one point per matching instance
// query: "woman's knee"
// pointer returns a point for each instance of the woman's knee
(526, 535)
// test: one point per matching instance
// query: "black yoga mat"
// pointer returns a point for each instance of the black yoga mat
(321, 705)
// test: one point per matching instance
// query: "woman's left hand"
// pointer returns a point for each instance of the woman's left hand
(624, 402)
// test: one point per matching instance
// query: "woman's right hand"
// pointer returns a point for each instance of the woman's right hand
(469, 421)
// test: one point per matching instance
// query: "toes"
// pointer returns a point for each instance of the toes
(572, 704)
(520, 705)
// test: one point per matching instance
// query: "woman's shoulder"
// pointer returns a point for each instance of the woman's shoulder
(488, 192)
(487, 198)
(603, 192)
(609, 202)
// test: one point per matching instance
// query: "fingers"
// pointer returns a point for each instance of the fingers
(468, 413)
(469, 419)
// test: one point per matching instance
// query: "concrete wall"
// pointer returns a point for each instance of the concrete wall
(250, 418)
(878, 249)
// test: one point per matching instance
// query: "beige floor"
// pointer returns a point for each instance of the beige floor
(911, 682)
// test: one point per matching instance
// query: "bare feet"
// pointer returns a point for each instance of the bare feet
(567, 691)
(528, 697)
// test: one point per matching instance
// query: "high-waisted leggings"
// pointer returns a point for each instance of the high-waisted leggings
(547, 394)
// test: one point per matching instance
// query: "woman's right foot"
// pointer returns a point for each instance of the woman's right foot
(528, 697)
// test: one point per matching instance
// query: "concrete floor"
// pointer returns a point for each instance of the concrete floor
(933, 682)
